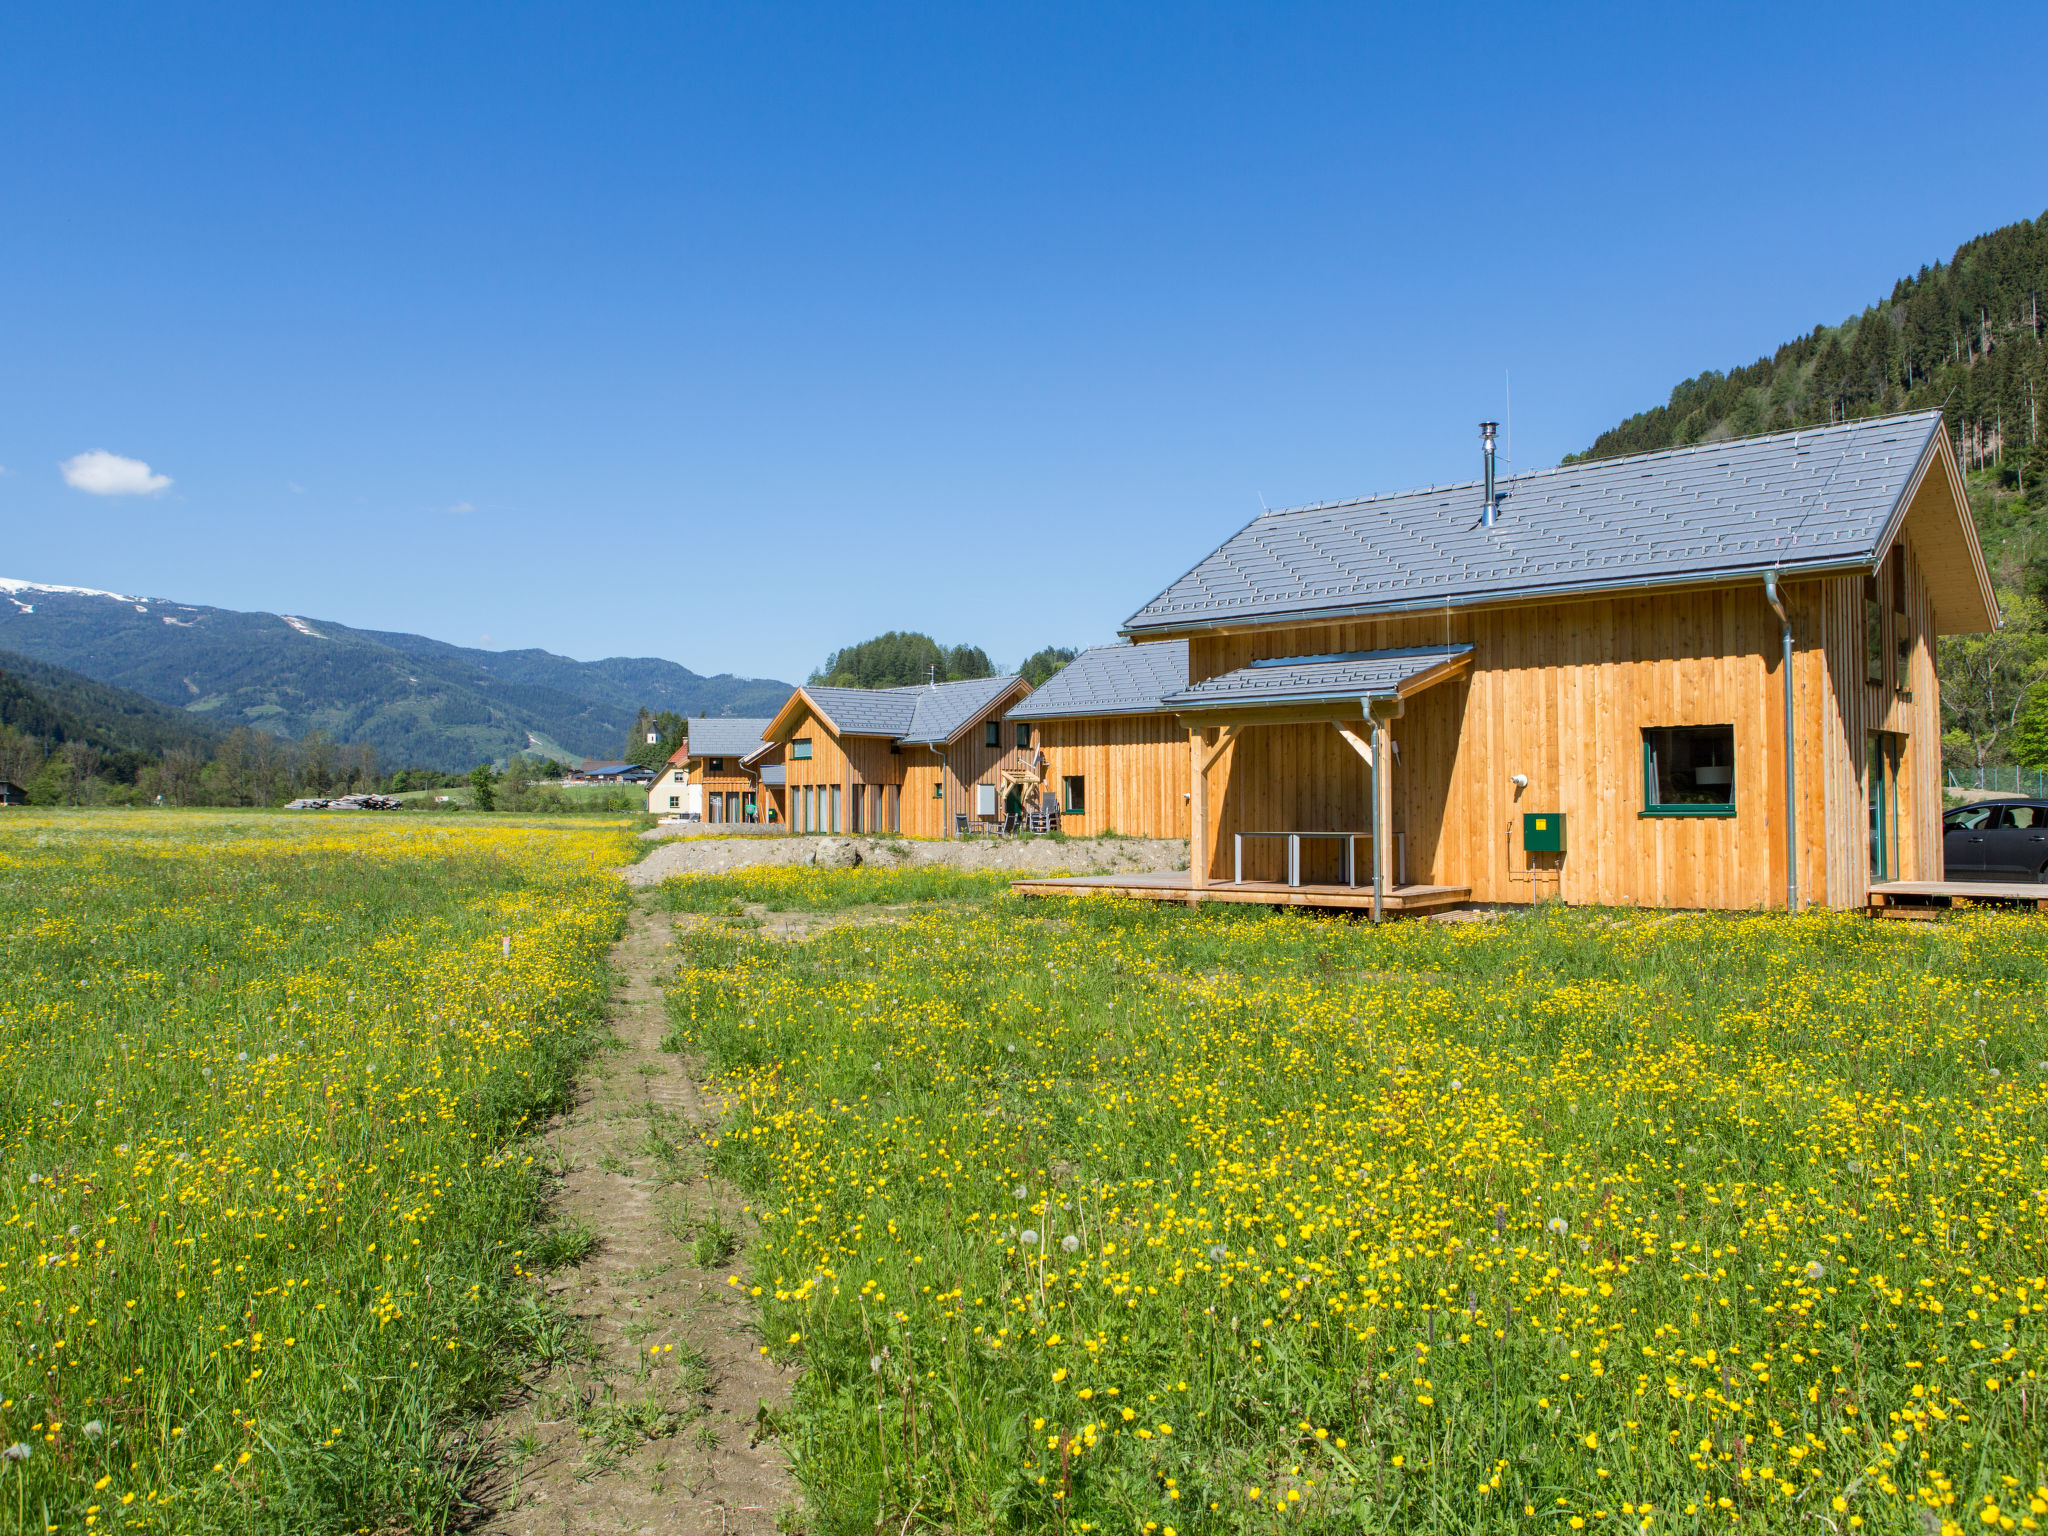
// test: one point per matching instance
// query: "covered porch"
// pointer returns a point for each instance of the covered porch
(1290, 819)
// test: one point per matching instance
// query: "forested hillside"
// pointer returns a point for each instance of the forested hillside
(1968, 337)
(1965, 336)
(415, 701)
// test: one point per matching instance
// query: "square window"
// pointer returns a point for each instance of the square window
(938, 789)
(1074, 794)
(800, 749)
(1023, 735)
(1689, 770)
(718, 765)
(674, 801)
(992, 734)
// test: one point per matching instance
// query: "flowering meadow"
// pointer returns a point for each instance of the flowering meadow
(1089, 1215)
(262, 1084)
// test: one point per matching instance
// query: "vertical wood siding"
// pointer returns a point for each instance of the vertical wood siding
(1135, 768)
(1562, 693)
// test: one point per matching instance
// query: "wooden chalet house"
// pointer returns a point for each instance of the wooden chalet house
(1115, 755)
(927, 760)
(708, 776)
(1698, 678)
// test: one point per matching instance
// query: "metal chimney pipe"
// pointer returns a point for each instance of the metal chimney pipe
(1492, 510)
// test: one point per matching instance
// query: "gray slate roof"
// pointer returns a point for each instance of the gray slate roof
(1283, 679)
(1110, 680)
(1817, 499)
(918, 713)
(725, 736)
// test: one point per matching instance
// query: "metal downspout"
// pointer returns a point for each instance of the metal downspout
(1771, 596)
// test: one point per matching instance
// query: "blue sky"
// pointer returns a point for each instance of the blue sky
(733, 333)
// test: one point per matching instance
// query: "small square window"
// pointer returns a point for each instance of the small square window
(1023, 735)
(1073, 795)
(674, 801)
(1689, 771)
(938, 789)
(800, 749)
(718, 765)
(992, 734)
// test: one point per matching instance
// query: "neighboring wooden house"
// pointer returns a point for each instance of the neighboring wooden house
(914, 760)
(708, 775)
(1579, 679)
(1115, 755)
(12, 793)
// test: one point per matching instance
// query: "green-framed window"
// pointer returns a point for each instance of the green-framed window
(1689, 770)
(800, 748)
(1074, 795)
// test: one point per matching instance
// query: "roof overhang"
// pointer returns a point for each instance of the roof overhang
(999, 701)
(1934, 513)
(1525, 598)
(794, 708)
(1314, 703)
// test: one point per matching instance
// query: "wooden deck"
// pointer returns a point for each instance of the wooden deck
(1930, 898)
(1264, 893)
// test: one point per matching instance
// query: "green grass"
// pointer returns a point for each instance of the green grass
(265, 1207)
(798, 888)
(1089, 1215)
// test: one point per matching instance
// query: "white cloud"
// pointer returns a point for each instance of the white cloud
(463, 507)
(108, 474)
(297, 489)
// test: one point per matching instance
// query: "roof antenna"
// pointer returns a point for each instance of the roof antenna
(1262, 501)
(931, 674)
(1491, 513)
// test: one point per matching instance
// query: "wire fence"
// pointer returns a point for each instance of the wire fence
(2009, 779)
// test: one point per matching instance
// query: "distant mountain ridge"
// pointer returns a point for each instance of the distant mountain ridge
(418, 701)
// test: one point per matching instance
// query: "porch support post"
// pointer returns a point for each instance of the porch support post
(1380, 712)
(1202, 757)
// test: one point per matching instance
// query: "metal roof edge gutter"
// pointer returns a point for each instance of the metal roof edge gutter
(1524, 598)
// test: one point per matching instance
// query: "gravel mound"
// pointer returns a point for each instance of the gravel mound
(1078, 856)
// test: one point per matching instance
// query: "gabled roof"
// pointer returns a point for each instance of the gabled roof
(866, 711)
(1110, 680)
(917, 714)
(725, 735)
(1827, 499)
(1357, 675)
(947, 710)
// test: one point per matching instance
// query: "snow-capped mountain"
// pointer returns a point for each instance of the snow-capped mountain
(417, 701)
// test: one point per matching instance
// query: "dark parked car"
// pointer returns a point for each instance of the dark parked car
(1996, 840)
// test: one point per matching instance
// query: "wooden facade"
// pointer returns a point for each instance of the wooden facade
(846, 782)
(1551, 716)
(1133, 772)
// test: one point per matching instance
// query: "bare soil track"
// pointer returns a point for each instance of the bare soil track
(667, 1425)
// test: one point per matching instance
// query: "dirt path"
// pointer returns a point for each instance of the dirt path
(661, 1430)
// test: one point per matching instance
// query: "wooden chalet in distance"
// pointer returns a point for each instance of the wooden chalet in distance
(927, 760)
(1697, 678)
(1115, 755)
(709, 775)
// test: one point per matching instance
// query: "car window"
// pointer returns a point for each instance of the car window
(2032, 817)
(1969, 819)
